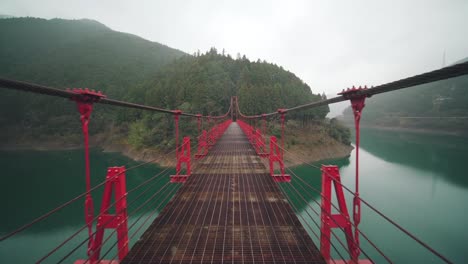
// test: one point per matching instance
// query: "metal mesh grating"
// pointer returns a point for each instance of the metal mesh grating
(229, 210)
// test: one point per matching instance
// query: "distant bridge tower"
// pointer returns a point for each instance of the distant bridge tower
(234, 107)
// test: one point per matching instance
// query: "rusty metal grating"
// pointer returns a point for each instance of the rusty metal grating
(230, 210)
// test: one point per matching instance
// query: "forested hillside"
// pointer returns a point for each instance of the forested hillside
(77, 53)
(441, 105)
(84, 53)
(205, 83)
(69, 53)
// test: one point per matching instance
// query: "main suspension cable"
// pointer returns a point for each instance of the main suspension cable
(428, 77)
(40, 89)
(442, 257)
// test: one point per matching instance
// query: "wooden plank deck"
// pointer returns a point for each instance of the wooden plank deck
(228, 211)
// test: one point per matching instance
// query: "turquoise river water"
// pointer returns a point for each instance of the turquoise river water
(420, 181)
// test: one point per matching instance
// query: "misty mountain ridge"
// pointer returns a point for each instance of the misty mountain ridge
(85, 53)
(78, 53)
(461, 61)
(437, 106)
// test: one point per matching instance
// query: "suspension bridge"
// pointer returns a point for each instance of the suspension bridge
(227, 200)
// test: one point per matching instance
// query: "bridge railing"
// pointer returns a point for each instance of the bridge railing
(86, 98)
(328, 215)
(115, 182)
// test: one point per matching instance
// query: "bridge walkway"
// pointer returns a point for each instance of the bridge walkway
(229, 211)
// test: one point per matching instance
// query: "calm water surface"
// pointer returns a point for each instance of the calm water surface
(417, 180)
(35, 182)
(420, 181)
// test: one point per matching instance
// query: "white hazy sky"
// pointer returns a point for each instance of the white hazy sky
(330, 45)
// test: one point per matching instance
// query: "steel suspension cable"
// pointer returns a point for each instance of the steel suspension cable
(148, 217)
(316, 224)
(226, 179)
(216, 183)
(442, 257)
(329, 215)
(259, 183)
(165, 172)
(338, 210)
(437, 75)
(45, 90)
(186, 205)
(248, 220)
(66, 204)
(151, 233)
(278, 196)
(134, 223)
(208, 186)
(342, 244)
(219, 166)
(78, 231)
(49, 213)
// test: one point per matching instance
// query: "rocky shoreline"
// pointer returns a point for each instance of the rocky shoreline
(321, 148)
(292, 158)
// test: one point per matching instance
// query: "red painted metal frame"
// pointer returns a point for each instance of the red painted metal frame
(357, 104)
(276, 157)
(202, 148)
(84, 99)
(331, 175)
(115, 180)
(260, 146)
(255, 138)
(183, 157)
(207, 139)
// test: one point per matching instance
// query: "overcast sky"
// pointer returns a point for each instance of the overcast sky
(330, 45)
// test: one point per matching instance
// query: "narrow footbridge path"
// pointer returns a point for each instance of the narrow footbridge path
(230, 207)
(230, 210)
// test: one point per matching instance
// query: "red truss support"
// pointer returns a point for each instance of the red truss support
(330, 174)
(357, 104)
(246, 128)
(276, 157)
(207, 139)
(115, 180)
(202, 149)
(183, 158)
(331, 178)
(84, 101)
(260, 146)
(255, 138)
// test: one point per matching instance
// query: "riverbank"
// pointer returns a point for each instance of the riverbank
(419, 130)
(311, 145)
(110, 144)
(303, 146)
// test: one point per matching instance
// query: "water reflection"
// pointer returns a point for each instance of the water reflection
(310, 179)
(35, 182)
(417, 180)
(439, 154)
